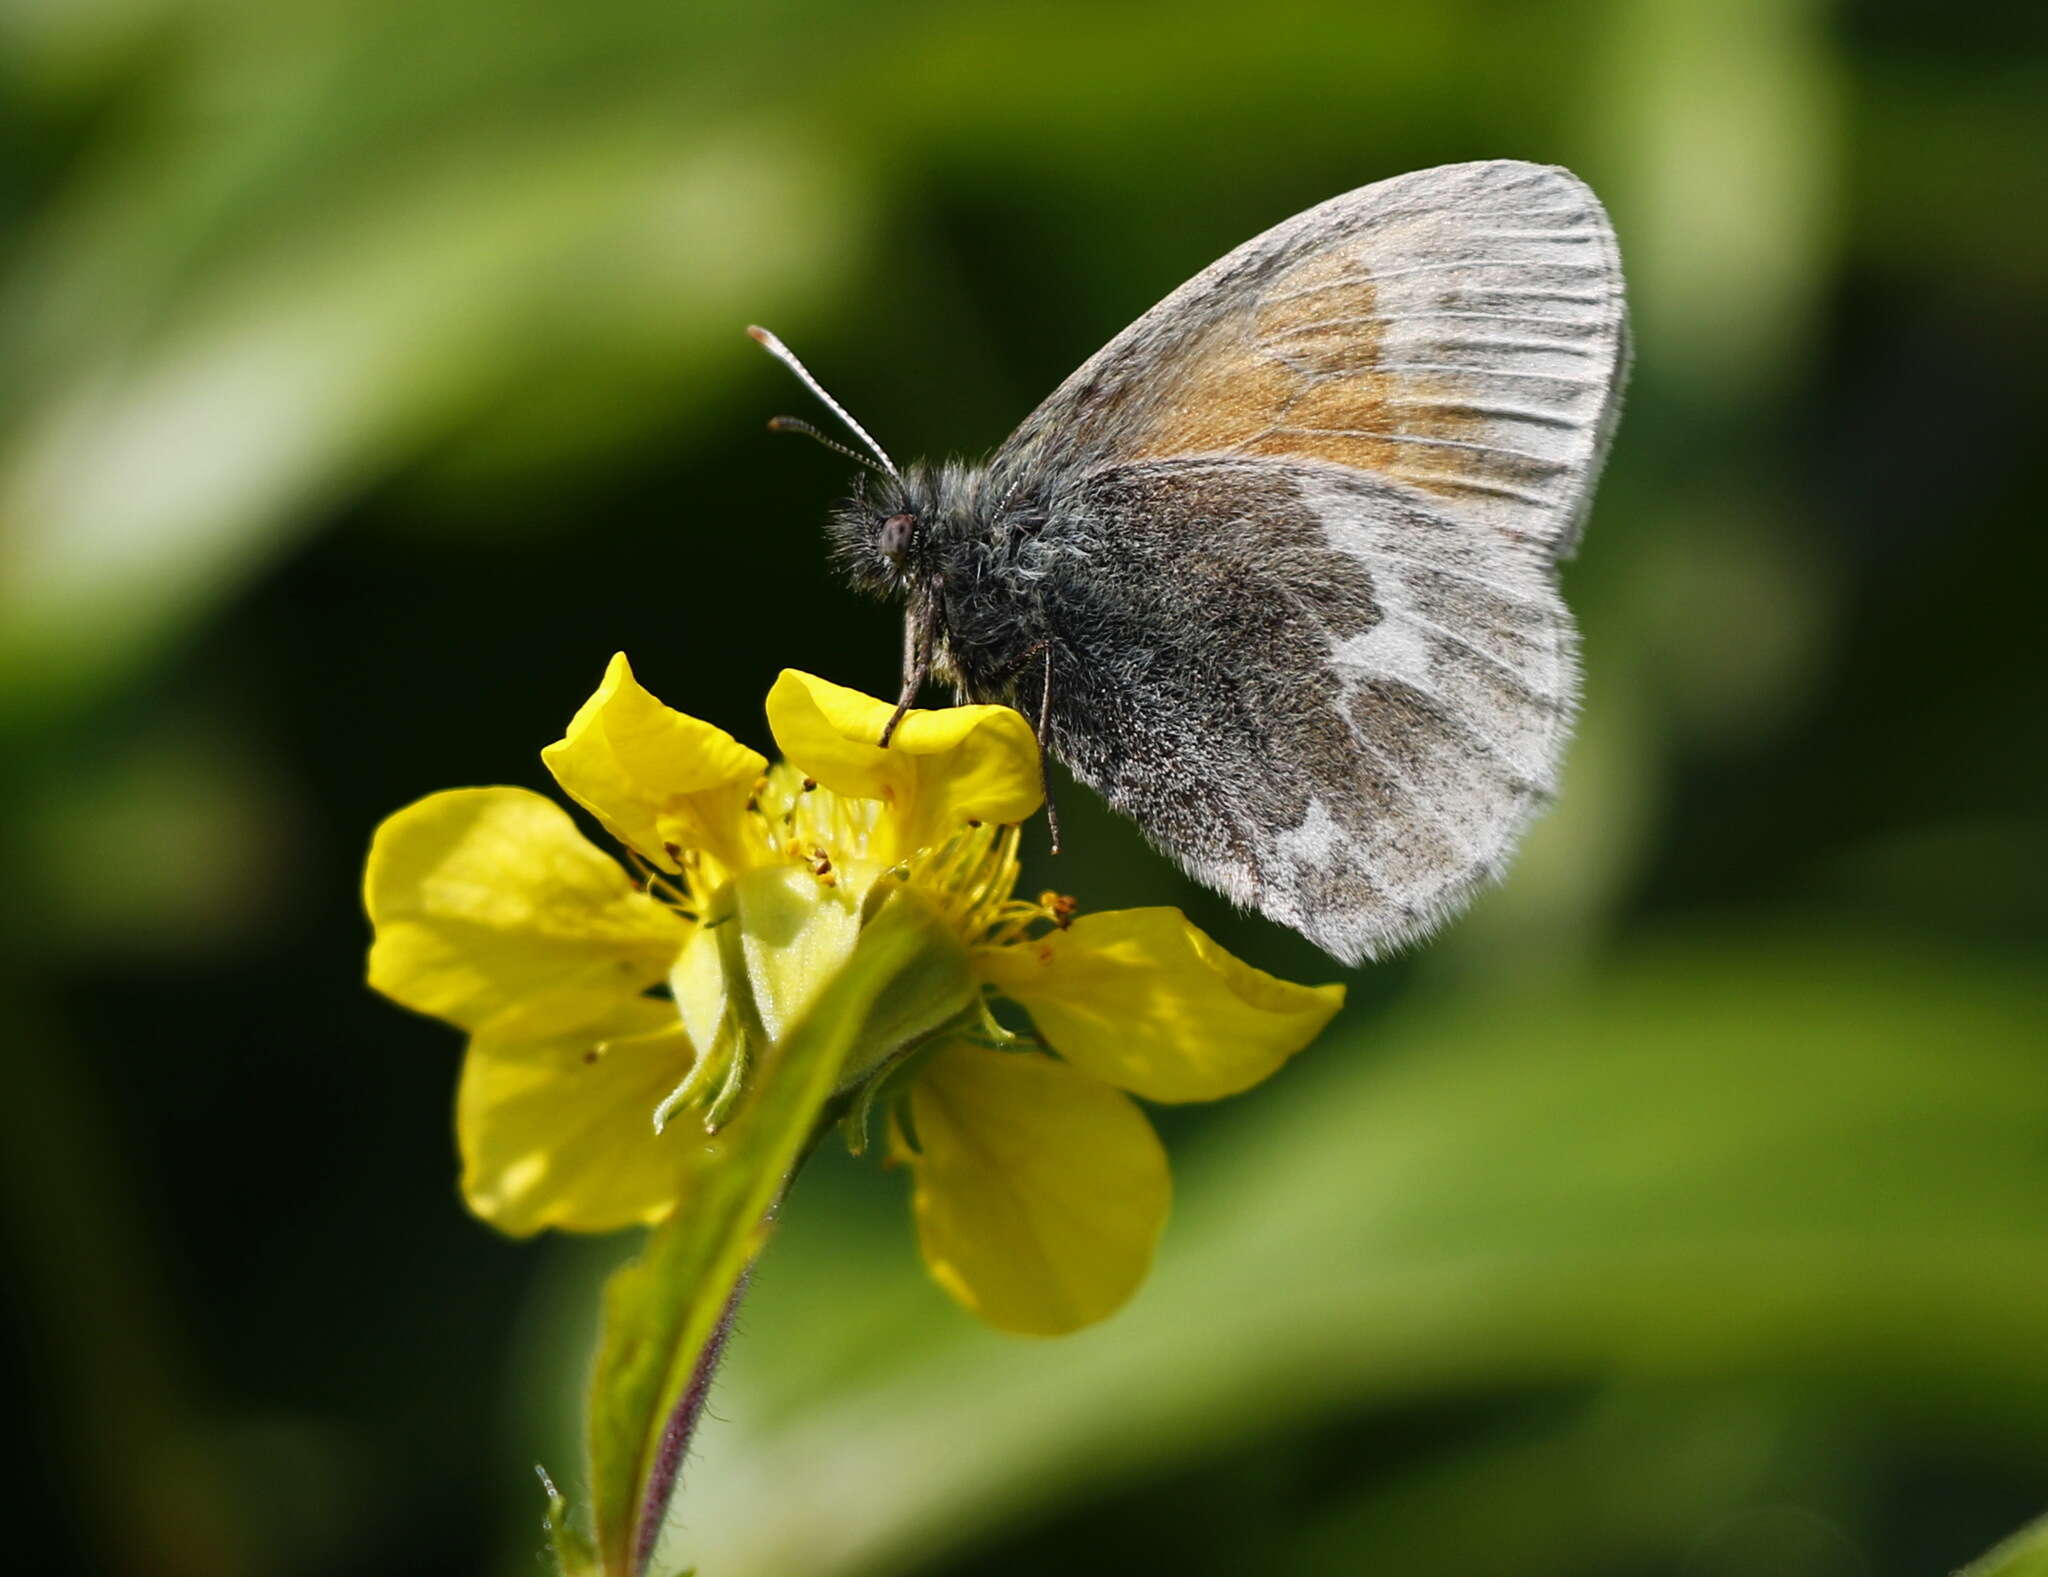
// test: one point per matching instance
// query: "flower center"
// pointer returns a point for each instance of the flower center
(794, 818)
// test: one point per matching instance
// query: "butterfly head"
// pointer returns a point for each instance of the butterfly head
(881, 536)
(878, 541)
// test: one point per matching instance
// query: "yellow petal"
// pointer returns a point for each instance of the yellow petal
(940, 771)
(659, 781)
(558, 1131)
(494, 912)
(1040, 1192)
(1144, 1001)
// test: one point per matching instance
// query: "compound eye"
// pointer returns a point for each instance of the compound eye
(892, 541)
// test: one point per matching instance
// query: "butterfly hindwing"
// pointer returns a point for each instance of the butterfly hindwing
(1292, 677)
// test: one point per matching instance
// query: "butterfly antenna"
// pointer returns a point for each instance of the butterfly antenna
(787, 357)
(796, 424)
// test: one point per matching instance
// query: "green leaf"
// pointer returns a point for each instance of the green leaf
(662, 1310)
(2025, 1554)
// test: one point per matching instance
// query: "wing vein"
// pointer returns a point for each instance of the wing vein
(1424, 622)
(1419, 800)
(1541, 347)
(1490, 372)
(1478, 735)
(1494, 490)
(1568, 237)
(1589, 298)
(1467, 576)
(1505, 413)
(1546, 461)
(1267, 298)
(1433, 317)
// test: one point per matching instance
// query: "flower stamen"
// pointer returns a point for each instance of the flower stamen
(661, 887)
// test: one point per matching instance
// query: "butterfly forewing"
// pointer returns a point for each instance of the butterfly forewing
(1461, 330)
(1303, 516)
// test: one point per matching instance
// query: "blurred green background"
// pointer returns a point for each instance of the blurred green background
(371, 370)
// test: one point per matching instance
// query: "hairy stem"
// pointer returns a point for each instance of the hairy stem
(680, 1430)
(681, 1427)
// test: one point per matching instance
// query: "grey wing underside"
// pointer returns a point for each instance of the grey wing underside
(1347, 730)
(1348, 456)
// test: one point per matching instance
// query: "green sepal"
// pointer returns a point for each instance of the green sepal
(575, 1554)
(924, 999)
(887, 1082)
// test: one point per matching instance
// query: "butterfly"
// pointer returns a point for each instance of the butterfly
(1276, 570)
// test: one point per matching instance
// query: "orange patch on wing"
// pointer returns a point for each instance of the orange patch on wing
(1322, 315)
(1302, 374)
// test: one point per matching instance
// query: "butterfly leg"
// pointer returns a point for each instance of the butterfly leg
(1052, 814)
(917, 666)
(920, 664)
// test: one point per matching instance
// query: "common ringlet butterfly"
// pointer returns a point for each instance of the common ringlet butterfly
(1276, 570)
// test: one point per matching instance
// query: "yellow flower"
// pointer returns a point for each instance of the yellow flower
(604, 1007)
